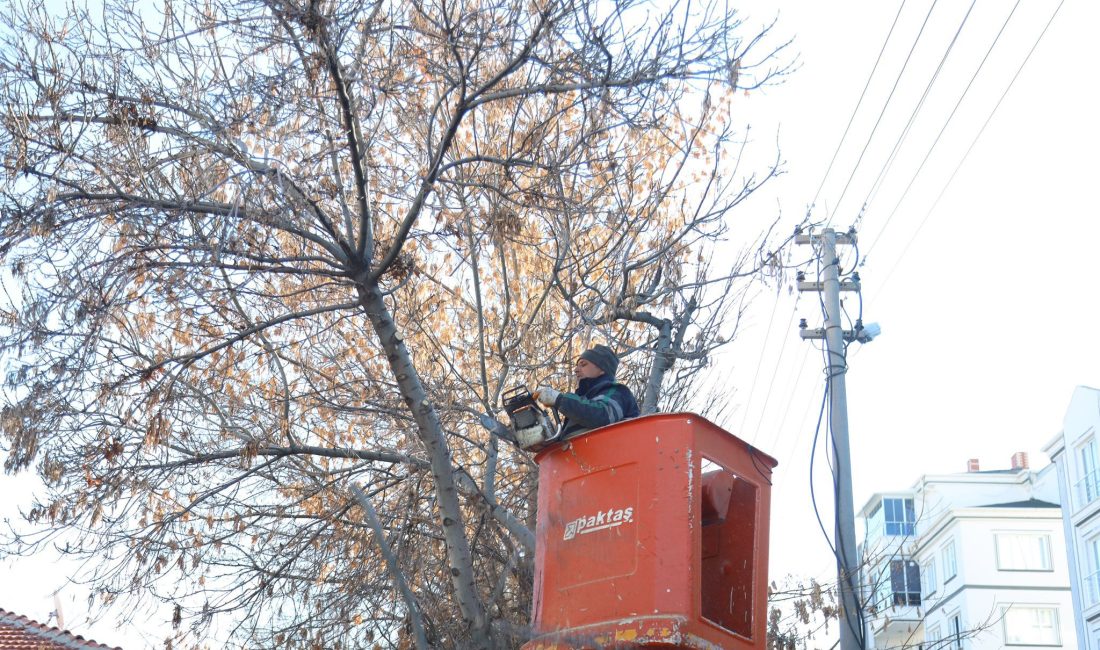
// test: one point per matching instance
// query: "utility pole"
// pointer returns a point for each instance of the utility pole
(835, 336)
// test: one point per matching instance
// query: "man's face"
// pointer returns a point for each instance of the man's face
(585, 369)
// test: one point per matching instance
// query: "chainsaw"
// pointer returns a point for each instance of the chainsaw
(530, 422)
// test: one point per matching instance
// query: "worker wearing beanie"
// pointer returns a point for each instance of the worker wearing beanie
(598, 400)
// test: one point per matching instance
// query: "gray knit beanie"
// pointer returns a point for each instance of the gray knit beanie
(603, 357)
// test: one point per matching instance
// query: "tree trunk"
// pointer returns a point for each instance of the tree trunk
(430, 431)
(662, 361)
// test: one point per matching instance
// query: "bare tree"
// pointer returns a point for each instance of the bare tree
(273, 262)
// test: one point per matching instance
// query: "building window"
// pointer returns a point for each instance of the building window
(879, 587)
(1092, 566)
(955, 628)
(928, 577)
(1088, 486)
(1023, 551)
(932, 636)
(905, 582)
(899, 516)
(1028, 625)
(949, 566)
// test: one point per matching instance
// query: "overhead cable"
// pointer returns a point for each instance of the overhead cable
(885, 105)
(858, 104)
(920, 104)
(924, 220)
(947, 122)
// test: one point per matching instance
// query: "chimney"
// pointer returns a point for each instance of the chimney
(972, 465)
(57, 611)
(1019, 460)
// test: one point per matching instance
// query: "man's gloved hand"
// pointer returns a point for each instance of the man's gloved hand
(546, 395)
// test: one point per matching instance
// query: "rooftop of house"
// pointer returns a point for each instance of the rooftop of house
(1020, 473)
(1030, 503)
(21, 633)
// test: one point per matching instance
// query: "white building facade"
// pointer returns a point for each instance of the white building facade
(1074, 452)
(968, 561)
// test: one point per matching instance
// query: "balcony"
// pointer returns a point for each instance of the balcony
(894, 519)
(1092, 589)
(1087, 490)
(894, 599)
(897, 627)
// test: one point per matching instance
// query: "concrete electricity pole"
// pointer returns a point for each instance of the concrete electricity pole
(851, 624)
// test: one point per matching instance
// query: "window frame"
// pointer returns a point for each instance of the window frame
(933, 635)
(905, 572)
(1086, 457)
(906, 525)
(882, 592)
(1046, 558)
(1011, 612)
(955, 630)
(928, 578)
(950, 561)
(1091, 575)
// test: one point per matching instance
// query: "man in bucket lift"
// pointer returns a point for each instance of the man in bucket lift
(598, 400)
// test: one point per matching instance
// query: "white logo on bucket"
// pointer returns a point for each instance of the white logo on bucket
(603, 520)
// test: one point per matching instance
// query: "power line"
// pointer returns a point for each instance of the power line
(790, 391)
(858, 104)
(939, 135)
(885, 105)
(760, 361)
(775, 371)
(801, 367)
(988, 119)
(920, 104)
(813, 454)
(825, 177)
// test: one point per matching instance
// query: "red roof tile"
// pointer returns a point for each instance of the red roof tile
(21, 633)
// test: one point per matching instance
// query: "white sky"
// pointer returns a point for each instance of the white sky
(988, 319)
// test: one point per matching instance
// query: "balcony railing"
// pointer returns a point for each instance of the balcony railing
(1092, 589)
(1087, 489)
(878, 529)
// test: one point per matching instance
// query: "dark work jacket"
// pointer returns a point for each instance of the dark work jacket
(599, 401)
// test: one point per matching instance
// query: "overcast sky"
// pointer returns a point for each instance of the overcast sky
(987, 300)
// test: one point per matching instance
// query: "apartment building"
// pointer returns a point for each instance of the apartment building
(1074, 453)
(971, 560)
